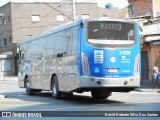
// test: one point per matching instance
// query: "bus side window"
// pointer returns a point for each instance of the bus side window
(75, 39)
(68, 41)
(42, 48)
(35, 49)
(50, 47)
(28, 51)
(58, 43)
(65, 42)
(21, 57)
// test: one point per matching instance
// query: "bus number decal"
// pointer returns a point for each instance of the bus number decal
(125, 52)
(98, 56)
(125, 56)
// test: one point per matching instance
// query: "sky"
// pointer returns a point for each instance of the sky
(116, 3)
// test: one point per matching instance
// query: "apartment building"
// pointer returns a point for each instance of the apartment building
(18, 21)
(144, 8)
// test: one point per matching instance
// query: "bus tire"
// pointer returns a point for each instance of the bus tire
(68, 94)
(100, 94)
(55, 88)
(29, 91)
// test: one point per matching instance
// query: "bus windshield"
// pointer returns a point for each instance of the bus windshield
(109, 32)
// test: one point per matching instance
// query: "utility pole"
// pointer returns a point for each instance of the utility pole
(74, 10)
(68, 7)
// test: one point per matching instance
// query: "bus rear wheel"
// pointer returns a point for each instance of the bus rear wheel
(55, 88)
(29, 91)
(100, 94)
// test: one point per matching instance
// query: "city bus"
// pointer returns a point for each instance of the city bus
(97, 56)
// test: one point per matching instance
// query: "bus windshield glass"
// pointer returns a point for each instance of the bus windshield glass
(109, 32)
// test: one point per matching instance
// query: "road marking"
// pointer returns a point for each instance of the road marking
(62, 108)
(17, 101)
(9, 99)
(35, 104)
(22, 95)
(17, 105)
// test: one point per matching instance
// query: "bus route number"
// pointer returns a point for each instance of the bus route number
(125, 52)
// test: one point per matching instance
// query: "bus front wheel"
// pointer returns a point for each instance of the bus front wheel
(55, 88)
(100, 94)
(29, 91)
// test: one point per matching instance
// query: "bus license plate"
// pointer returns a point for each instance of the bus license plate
(113, 70)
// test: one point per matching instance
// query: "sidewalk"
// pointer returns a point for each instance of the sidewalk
(147, 87)
(9, 78)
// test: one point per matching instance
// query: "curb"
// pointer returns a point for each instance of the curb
(147, 90)
(138, 90)
(8, 78)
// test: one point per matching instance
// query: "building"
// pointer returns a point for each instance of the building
(6, 60)
(144, 8)
(151, 45)
(19, 21)
(147, 13)
(123, 13)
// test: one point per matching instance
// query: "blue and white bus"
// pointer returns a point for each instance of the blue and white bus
(101, 56)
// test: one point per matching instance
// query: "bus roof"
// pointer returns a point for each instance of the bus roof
(54, 30)
(68, 25)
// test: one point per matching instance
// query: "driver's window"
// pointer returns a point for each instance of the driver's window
(21, 57)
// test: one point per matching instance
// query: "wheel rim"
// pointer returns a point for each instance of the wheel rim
(54, 89)
(27, 84)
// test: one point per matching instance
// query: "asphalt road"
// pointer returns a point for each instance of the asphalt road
(17, 100)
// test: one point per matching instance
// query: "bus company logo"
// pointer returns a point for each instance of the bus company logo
(113, 59)
(98, 53)
(98, 56)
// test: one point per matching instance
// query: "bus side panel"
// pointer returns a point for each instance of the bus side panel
(24, 71)
(21, 78)
(138, 46)
(84, 64)
(72, 64)
(50, 66)
(82, 44)
(69, 79)
(138, 58)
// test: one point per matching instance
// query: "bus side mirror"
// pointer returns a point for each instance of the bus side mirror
(17, 56)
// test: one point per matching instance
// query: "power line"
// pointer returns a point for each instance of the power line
(27, 26)
(58, 11)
